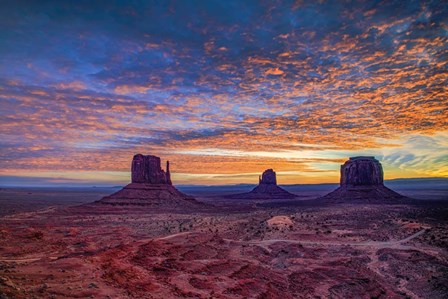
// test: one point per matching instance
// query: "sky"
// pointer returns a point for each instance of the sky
(222, 89)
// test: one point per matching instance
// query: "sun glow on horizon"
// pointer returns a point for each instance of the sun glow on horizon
(224, 94)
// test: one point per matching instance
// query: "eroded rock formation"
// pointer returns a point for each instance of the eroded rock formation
(268, 178)
(147, 169)
(362, 179)
(362, 171)
(150, 186)
(266, 189)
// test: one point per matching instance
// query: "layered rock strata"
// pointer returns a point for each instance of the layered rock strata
(150, 186)
(362, 179)
(147, 169)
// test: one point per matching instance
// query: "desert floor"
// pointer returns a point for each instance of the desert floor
(55, 244)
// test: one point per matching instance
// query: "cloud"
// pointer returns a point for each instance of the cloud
(84, 88)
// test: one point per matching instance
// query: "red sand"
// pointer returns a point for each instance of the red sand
(340, 251)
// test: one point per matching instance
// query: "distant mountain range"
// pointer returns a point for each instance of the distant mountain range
(414, 180)
(440, 182)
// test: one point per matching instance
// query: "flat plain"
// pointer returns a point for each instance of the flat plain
(54, 243)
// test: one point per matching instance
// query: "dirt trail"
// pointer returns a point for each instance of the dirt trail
(396, 244)
(23, 260)
(387, 244)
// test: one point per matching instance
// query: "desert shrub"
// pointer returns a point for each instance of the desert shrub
(36, 235)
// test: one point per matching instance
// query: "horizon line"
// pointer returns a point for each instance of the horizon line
(82, 185)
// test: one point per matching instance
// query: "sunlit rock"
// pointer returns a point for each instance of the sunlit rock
(280, 222)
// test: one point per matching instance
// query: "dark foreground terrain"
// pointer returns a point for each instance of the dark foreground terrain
(52, 245)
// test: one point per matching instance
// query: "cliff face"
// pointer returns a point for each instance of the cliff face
(362, 181)
(147, 169)
(266, 189)
(359, 171)
(268, 177)
(150, 186)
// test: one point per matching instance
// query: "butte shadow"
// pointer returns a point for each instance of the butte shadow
(362, 182)
(267, 189)
(150, 186)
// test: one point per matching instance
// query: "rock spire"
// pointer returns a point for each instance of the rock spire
(150, 186)
(147, 169)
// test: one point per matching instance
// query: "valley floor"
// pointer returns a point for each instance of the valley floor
(234, 250)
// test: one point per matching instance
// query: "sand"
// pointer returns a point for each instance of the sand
(69, 249)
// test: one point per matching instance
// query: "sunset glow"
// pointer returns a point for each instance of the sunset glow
(223, 90)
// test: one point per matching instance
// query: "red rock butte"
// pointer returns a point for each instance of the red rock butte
(147, 169)
(362, 180)
(150, 186)
(267, 188)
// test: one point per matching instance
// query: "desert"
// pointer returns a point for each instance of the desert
(223, 149)
(221, 247)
